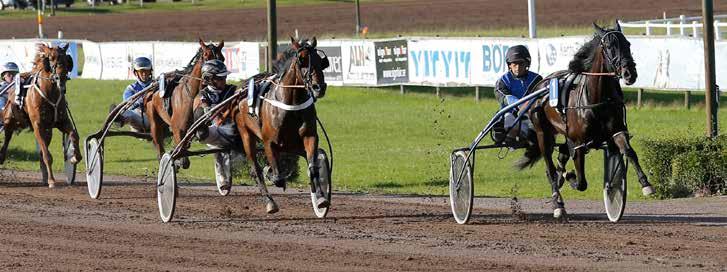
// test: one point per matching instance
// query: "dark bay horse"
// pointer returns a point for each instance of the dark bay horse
(182, 98)
(595, 113)
(287, 120)
(45, 106)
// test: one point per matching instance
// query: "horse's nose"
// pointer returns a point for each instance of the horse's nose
(319, 87)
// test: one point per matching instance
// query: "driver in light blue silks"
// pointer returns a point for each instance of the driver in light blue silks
(7, 76)
(514, 85)
(134, 116)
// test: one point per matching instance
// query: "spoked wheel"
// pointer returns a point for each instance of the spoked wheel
(68, 167)
(94, 167)
(461, 188)
(166, 188)
(324, 180)
(614, 186)
(223, 175)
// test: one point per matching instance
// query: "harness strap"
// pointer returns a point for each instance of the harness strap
(287, 107)
(599, 74)
(55, 105)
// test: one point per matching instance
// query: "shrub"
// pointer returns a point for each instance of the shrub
(680, 167)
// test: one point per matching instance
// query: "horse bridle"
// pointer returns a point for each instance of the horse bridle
(610, 58)
(307, 75)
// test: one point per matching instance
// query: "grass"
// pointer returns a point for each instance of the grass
(80, 7)
(384, 142)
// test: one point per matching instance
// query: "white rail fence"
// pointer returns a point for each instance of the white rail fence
(682, 25)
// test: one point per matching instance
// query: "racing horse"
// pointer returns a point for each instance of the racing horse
(180, 116)
(44, 107)
(287, 119)
(594, 114)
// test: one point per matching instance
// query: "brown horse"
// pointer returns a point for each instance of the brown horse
(595, 113)
(287, 121)
(44, 107)
(182, 98)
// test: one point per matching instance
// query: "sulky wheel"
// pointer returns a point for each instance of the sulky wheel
(324, 180)
(614, 186)
(94, 167)
(461, 188)
(166, 188)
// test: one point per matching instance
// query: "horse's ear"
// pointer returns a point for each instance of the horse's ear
(222, 44)
(314, 42)
(618, 26)
(598, 29)
(294, 43)
(65, 48)
(201, 42)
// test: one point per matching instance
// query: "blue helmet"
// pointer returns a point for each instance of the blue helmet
(142, 63)
(9, 67)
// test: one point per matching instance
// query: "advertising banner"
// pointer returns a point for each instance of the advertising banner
(489, 63)
(92, 65)
(334, 73)
(242, 59)
(359, 62)
(392, 62)
(440, 62)
(554, 54)
(22, 52)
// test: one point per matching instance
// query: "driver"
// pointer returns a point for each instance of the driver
(134, 116)
(7, 75)
(222, 131)
(514, 84)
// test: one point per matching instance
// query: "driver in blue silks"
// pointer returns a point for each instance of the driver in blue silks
(514, 84)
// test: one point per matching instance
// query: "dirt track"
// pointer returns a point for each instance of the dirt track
(63, 229)
(334, 19)
(42, 229)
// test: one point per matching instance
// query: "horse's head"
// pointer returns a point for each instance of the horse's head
(311, 63)
(617, 53)
(55, 61)
(211, 51)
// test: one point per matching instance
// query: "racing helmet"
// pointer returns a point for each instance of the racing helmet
(142, 63)
(214, 68)
(9, 67)
(517, 53)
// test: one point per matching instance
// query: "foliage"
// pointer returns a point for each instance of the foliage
(686, 166)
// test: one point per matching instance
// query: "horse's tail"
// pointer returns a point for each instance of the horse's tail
(531, 156)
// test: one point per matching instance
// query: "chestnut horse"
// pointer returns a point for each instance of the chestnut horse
(182, 97)
(44, 106)
(595, 113)
(287, 121)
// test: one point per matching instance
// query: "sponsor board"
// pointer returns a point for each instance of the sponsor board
(392, 62)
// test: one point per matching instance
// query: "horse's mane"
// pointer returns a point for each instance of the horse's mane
(583, 59)
(191, 63)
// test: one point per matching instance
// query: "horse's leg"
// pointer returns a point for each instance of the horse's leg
(579, 159)
(256, 172)
(311, 147)
(622, 141)
(8, 129)
(563, 157)
(546, 143)
(272, 154)
(156, 130)
(67, 128)
(44, 136)
(178, 134)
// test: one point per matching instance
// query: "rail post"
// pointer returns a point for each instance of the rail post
(682, 20)
(639, 93)
(477, 93)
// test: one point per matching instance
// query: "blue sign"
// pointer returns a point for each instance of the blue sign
(453, 63)
(73, 52)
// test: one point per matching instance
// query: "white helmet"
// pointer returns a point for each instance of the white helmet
(9, 67)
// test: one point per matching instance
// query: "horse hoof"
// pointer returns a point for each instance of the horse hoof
(647, 191)
(580, 186)
(55, 184)
(271, 207)
(558, 213)
(322, 203)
